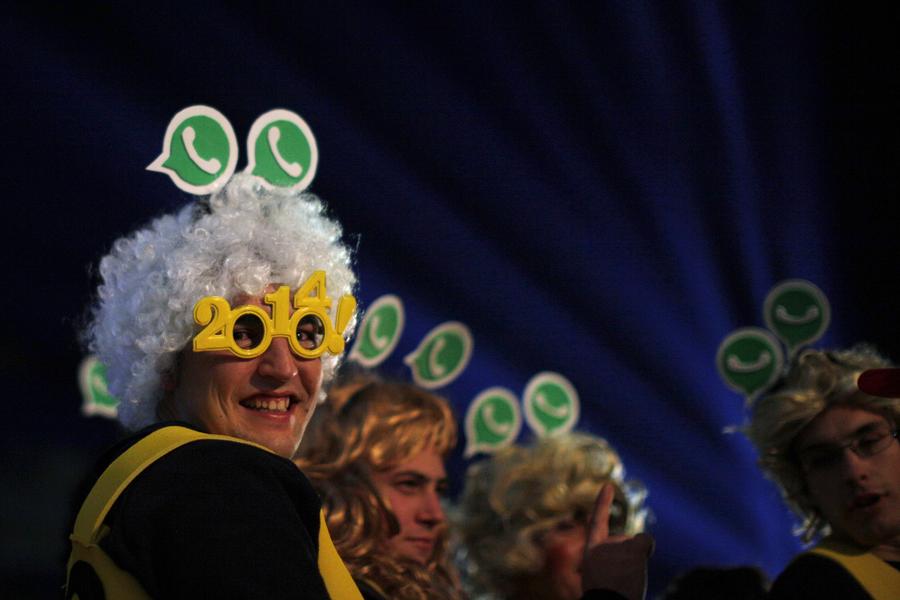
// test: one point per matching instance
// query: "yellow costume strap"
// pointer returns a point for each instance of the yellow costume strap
(878, 578)
(131, 463)
(115, 582)
(126, 467)
(338, 582)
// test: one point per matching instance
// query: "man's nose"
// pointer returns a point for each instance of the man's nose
(277, 362)
(853, 466)
(431, 513)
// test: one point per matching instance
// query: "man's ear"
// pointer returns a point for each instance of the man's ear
(169, 377)
(168, 380)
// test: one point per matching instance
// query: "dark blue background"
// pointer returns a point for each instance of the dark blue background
(602, 189)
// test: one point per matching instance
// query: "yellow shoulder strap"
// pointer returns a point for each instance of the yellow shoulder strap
(125, 468)
(878, 578)
(334, 572)
(132, 462)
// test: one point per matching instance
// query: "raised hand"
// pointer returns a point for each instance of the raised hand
(619, 562)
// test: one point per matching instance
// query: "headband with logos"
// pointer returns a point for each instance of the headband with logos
(750, 359)
(200, 154)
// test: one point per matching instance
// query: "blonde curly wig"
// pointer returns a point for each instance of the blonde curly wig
(367, 425)
(241, 239)
(815, 381)
(511, 499)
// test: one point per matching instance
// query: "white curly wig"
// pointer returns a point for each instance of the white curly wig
(243, 239)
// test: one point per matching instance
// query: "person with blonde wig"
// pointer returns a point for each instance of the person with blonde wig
(375, 452)
(832, 449)
(526, 513)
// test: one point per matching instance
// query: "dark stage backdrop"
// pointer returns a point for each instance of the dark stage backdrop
(602, 190)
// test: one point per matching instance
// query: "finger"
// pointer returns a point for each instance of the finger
(598, 530)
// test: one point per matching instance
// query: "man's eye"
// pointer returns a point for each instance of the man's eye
(248, 331)
(407, 485)
(310, 332)
(869, 442)
(565, 525)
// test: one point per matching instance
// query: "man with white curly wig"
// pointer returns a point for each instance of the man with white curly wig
(218, 510)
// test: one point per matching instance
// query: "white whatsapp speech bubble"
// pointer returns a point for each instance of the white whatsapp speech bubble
(551, 404)
(379, 332)
(200, 150)
(282, 151)
(493, 421)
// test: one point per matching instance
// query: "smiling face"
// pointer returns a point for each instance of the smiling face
(268, 399)
(859, 496)
(412, 490)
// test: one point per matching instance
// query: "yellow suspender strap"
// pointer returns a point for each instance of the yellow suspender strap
(878, 578)
(144, 453)
(125, 468)
(334, 572)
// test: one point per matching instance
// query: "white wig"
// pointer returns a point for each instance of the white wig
(248, 238)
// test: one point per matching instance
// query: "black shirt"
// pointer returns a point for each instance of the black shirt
(818, 578)
(217, 519)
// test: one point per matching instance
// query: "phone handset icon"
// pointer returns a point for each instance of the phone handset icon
(291, 168)
(436, 368)
(784, 316)
(736, 365)
(380, 342)
(98, 382)
(188, 136)
(495, 427)
(558, 412)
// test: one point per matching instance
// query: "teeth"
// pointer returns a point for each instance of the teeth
(279, 405)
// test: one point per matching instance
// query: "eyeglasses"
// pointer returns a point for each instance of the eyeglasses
(864, 444)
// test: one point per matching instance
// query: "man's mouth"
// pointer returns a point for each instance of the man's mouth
(272, 404)
(423, 543)
(863, 501)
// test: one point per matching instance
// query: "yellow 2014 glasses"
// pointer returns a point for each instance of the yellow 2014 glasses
(247, 331)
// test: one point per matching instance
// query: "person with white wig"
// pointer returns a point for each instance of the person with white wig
(219, 325)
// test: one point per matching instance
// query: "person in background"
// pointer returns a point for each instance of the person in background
(534, 522)
(375, 452)
(832, 449)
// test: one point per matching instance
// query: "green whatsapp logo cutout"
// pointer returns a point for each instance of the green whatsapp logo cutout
(551, 404)
(441, 356)
(282, 150)
(493, 421)
(379, 331)
(200, 150)
(749, 360)
(96, 399)
(798, 312)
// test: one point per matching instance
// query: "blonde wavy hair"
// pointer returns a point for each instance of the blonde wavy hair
(815, 381)
(511, 499)
(368, 425)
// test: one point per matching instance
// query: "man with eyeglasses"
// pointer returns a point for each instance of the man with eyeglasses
(215, 327)
(831, 445)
